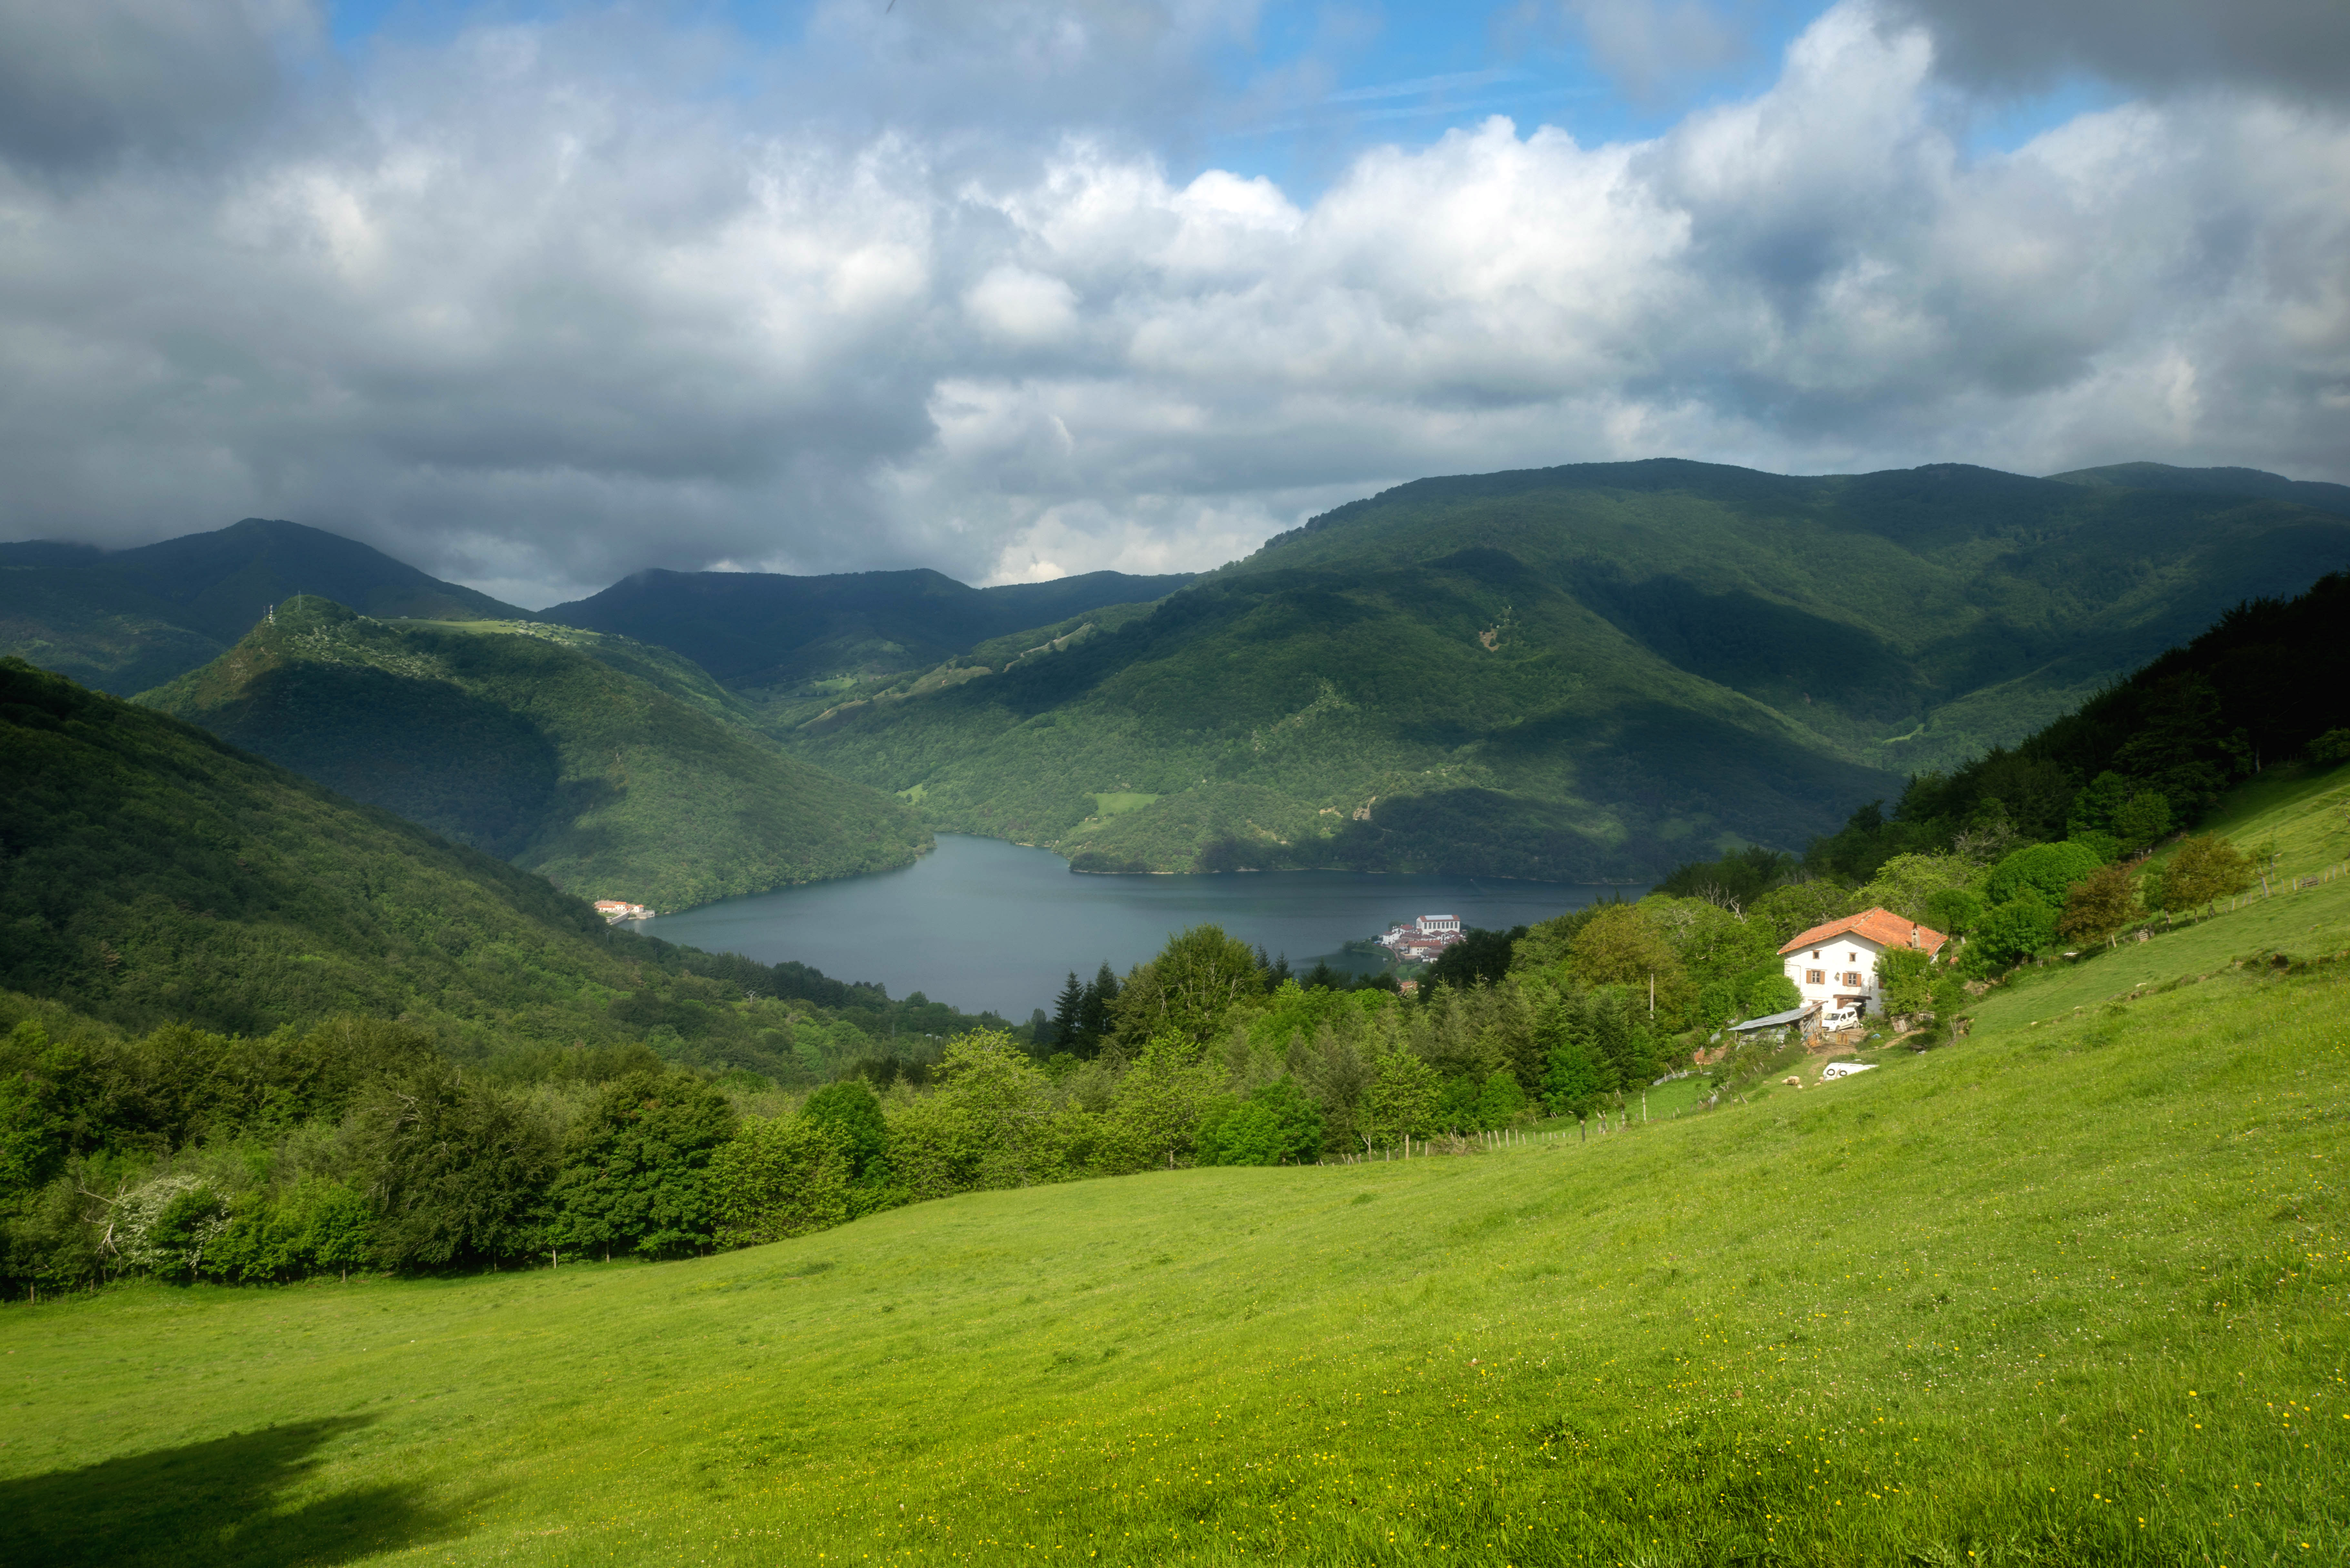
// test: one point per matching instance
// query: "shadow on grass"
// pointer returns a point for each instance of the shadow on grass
(214, 1504)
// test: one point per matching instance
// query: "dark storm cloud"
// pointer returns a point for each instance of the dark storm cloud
(2299, 47)
(86, 82)
(556, 301)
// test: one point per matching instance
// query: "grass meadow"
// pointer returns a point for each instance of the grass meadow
(2075, 1290)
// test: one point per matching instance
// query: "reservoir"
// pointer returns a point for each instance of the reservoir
(984, 925)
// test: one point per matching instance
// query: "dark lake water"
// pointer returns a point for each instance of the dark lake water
(982, 925)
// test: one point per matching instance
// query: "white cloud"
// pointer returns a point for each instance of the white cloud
(525, 318)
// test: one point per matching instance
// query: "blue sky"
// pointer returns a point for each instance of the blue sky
(1397, 73)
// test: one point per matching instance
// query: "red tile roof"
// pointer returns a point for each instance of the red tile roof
(1883, 927)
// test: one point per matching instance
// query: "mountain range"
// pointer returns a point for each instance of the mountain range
(1592, 671)
(1584, 672)
(761, 631)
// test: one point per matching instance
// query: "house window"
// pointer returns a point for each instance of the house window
(1852, 958)
(1815, 955)
(1852, 978)
(1815, 977)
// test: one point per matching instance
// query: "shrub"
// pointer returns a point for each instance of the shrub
(2203, 871)
(1906, 977)
(2331, 749)
(1404, 1094)
(1768, 994)
(1908, 885)
(2106, 847)
(779, 1177)
(1277, 1125)
(461, 1171)
(2097, 908)
(1954, 911)
(318, 1226)
(2044, 871)
(1501, 1102)
(637, 1174)
(1572, 1079)
(2143, 821)
(2010, 933)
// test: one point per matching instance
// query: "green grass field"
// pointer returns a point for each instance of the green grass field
(2072, 1290)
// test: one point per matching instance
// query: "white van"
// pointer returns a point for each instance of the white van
(1845, 1069)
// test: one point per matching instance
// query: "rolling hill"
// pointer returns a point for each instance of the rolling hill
(783, 635)
(1583, 674)
(609, 768)
(123, 620)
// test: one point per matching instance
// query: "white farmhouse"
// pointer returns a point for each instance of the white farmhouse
(1835, 964)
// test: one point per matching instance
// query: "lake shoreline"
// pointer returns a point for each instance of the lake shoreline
(995, 926)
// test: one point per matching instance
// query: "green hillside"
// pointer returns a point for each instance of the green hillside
(150, 874)
(821, 640)
(612, 769)
(123, 620)
(1584, 672)
(2071, 1291)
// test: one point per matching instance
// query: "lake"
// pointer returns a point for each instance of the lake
(985, 925)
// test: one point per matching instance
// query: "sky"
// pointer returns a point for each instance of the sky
(534, 296)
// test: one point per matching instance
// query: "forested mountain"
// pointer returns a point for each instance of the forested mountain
(2314, 493)
(769, 632)
(1578, 672)
(151, 874)
(123, 620)
(612, 769)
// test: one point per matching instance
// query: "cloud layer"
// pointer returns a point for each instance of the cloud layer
(551, 303)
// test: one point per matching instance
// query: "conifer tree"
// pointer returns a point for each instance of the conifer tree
(1093, 1011)
(1068, 1014)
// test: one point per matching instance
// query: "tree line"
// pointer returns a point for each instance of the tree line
(357, 1144)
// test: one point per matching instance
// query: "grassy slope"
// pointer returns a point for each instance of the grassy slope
(1587, 671)
(2071, 1291)
(613, 769)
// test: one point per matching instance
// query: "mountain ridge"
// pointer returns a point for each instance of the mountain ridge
(755, 629)
(1568, 672)
(123, 620)
(614, 769)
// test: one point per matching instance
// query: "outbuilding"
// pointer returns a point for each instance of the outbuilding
(1778, 1027)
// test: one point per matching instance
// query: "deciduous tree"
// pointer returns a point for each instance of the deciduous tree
(2203, 871)
(2099, 906)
